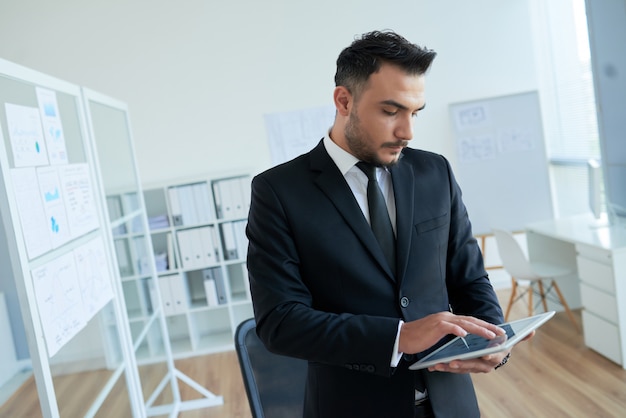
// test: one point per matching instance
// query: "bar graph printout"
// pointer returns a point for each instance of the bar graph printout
(26, 135)
(54, 206)
(31, 211)
(52, 127)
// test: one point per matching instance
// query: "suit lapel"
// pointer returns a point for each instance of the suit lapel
(403, 178)
(333, 184)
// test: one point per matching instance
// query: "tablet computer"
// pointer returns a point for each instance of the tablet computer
(475, 346)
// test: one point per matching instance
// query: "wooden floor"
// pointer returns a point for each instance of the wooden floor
(553, 375)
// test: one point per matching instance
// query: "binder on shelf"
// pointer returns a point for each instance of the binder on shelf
(179, 293)
(227, 198)
(202, 199)
(224, 203)
(187, 205)
(123, 258)
(198, 249)
(209, 251)
(222, 298)
(175, 212)
(246, 191)
(229, 241)
(171, 258)
(166, 296)
(246, 280)
(210, 288)
(215, 274)
(152, 304)
(236, 194)
(238, 187)
(142, 259)
(217, 200)
(173, 294)
(190, 247)
(241, 240)
(185, 249)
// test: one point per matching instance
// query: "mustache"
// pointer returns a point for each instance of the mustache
(402, 144)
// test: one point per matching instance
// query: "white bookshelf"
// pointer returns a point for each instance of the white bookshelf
(197, 231)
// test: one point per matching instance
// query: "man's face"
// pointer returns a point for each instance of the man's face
(381, 119)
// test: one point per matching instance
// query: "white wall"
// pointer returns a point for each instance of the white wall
(199, 75)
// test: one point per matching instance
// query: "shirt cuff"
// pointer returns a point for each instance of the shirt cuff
(396, 355)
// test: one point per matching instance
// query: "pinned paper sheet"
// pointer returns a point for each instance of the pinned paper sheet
(94, 276)
(27, 140)
(59, 301)
(52, 127)
(31, 211)
(80, 206)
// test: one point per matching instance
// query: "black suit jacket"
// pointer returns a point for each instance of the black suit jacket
(322, 290)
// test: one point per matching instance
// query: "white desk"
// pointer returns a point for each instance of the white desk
(598, 255)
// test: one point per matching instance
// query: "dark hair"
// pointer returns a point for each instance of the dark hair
(366, 54)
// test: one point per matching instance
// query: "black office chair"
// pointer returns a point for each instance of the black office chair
(274, 383)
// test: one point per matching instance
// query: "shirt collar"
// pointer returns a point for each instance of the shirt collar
(343, 159)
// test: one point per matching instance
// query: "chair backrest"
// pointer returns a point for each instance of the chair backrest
(512, 255)
(274, 383)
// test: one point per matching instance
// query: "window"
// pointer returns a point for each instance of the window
(567, 98)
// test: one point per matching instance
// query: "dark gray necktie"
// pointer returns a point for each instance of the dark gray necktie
(379, 216)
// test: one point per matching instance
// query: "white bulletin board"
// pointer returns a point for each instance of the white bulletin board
(502, 165)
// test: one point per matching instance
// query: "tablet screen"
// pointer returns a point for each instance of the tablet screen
(457, 347)
(479, 346)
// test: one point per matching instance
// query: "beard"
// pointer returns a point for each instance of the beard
(360, 143)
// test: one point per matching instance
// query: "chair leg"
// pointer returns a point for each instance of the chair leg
(511, 299)
(543, 295)
(565, 305)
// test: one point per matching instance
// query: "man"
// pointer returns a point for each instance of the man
(322, 287)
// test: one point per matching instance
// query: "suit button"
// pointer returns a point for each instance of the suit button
(404, 302)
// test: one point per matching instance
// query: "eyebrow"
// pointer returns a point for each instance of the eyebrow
(400, 105)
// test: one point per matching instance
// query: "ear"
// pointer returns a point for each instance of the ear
(343, 100)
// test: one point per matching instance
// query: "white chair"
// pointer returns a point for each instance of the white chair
(515, 262)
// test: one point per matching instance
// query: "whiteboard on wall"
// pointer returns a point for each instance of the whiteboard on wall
(502, 165)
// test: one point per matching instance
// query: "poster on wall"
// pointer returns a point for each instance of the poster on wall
(59, 301)
(52, 127)
(79, 198)
(26, 135)
(94, 276)
(31, 211)
(54, 207)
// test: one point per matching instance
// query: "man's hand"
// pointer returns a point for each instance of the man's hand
(483, 364)
(419, 335)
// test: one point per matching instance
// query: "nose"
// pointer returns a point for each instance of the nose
(404, 129)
